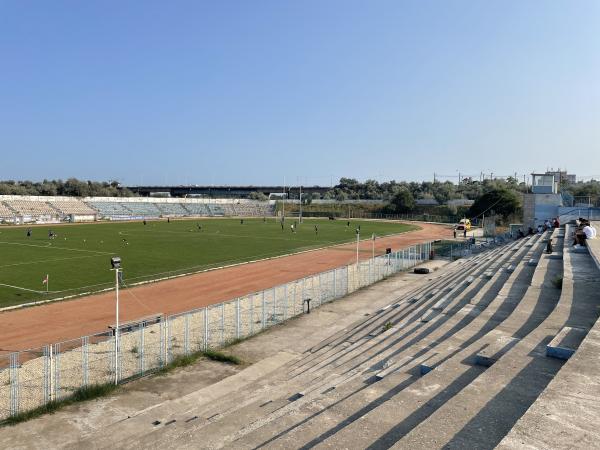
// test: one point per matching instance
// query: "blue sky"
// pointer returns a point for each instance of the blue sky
(249, 92)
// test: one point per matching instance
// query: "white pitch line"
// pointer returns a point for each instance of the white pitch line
(25, 289)
(50, 260)
(56, 248)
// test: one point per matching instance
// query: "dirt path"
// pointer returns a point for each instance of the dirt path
(34, 327)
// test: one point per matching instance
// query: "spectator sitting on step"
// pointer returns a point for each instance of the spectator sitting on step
(556, 223)
(589, 231)
(579, 235)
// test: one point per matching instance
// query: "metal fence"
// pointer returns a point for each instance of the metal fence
(584, 201)
(367, 215)
(32, 378)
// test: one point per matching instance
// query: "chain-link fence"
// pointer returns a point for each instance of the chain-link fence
(32, 378)
(368, 215)
(453, 249)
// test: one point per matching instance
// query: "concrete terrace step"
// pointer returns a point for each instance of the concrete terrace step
(392, 366)
(398, 318)
(159, 415)
(394, 375)
(566, 413)
(420, 293)
(404, 402)
(492, 352)
(565, 343)
(338, 366)
(501, 395)
(371, 387)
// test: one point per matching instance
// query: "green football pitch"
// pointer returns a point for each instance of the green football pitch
(77, 259)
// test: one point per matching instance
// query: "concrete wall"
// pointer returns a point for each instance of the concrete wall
(539, 207)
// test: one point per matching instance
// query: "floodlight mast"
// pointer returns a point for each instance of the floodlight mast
(116, 266)
(117, 328)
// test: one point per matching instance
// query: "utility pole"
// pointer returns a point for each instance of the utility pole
(300, 203)
(434, 177)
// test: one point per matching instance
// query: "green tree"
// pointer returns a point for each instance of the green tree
(258, 196)
(503, 202)
(403, 201)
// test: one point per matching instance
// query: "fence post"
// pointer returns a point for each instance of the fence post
(294, 296)
(285, 301)
(237, 318)
(222, 324)
(141, 364)
(206, 335)
(251, 300)
(263, 309)
(46, 373)
(274, 305)
(14, 383)
(347, 279)
(56, 381)
(163, 356)
(303, 290)
(186, 334)
(84, 360)
(168, 341)
(334, 283)
(320, 288)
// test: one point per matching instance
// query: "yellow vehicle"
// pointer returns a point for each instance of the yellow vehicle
(464, 224)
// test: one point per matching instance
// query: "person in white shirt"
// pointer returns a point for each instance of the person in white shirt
(589, 232)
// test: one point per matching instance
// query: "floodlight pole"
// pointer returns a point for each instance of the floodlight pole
(300, 203)
(283, 206)
(117, 328)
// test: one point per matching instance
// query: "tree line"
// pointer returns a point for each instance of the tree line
(70, 188)
(493, 196)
